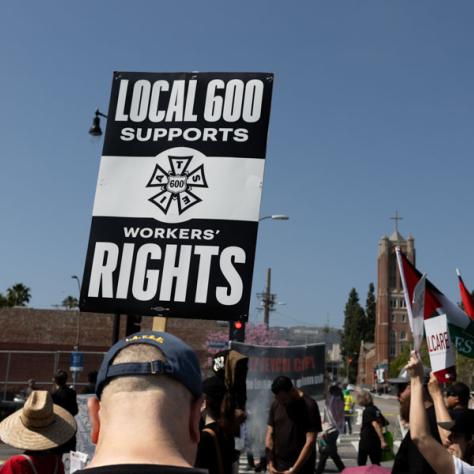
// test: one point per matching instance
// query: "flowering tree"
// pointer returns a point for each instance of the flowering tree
(255, 334)
(262, 335)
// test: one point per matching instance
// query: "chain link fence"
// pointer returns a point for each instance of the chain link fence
(17, 367)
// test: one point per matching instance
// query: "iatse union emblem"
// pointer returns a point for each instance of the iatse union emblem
(176, 184)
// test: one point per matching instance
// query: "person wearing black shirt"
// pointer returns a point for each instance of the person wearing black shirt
(63, 395)
(216, 449)
(408, 459)
(66, 398)
(371, 437)
(457, 402)
(293, 425)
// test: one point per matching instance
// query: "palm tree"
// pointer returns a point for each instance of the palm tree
(70, 302)
(18, 295)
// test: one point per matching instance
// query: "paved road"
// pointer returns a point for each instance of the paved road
(347, 444)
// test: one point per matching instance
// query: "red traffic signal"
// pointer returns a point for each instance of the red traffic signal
(237, 331)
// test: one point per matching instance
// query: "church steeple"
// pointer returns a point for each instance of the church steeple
(396, 236)
(392, 330)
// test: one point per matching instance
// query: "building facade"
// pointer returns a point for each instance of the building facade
(392, 329)
(36, 342)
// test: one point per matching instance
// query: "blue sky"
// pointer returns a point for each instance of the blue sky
(373, 111)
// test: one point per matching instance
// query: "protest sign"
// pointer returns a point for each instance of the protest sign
(178, 195)
(303, 364)
(440, 348)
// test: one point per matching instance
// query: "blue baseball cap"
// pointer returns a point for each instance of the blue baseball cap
(181, 362)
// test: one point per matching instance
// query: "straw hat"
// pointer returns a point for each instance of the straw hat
(39, 425)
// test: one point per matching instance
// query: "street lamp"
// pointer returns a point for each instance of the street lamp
(78, 321)
(78, 329)
(275, 217)
(95, 130)
(75, 277)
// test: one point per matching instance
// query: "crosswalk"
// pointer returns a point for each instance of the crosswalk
(347, 447)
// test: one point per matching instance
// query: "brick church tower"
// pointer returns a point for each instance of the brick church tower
(392, 329)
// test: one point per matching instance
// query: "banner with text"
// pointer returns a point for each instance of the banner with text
(440, 348)
(304, 365)
(177, 202)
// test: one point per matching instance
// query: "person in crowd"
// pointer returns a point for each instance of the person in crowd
(457, 396)
(216, 449)
(31, 386)
(333, 425)
(66, 398)
(63, 395)
(444, 413)
(145, 415)
(91, 381)
(371, 440)
(39, 428)
(348, 410)
(457, 400)
(452, 460)
(293, 425)
(408, 458)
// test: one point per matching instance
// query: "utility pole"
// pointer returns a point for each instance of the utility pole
(268, 299)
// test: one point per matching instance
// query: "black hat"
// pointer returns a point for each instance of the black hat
(214, 388)
(181, 361)
(459, 390)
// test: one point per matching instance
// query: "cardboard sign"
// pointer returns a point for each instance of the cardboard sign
(440, 348)
(177, 203)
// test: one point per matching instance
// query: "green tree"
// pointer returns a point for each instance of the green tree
(354, 330)
(397, 364)
(70, 302)
(3, 301)
(369, 335)
(464, 369)
(18, 295)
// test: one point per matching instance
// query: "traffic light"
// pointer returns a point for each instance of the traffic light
(134, 324)
(237, 331)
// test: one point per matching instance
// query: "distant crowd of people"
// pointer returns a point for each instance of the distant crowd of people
(152, 413)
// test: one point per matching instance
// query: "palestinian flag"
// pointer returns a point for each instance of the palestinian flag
(466, 297)
(461, 327)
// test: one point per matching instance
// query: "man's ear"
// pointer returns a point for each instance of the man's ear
(93, 406)
(194, 418)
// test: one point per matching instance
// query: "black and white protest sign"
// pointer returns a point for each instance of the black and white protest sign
(303, 364)
(177, 203)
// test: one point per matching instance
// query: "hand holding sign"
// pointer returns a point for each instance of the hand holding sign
(415, 366)
(433, 386)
